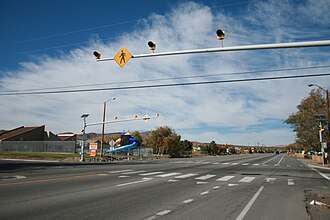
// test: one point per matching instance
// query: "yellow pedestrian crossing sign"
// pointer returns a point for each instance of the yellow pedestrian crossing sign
(122, 57)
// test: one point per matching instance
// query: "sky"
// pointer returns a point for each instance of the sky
(48, 46)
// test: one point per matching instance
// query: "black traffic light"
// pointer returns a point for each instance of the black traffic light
(152, 45)
(97, 55)
(220, 34)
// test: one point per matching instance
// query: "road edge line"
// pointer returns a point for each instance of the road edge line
(249, 205)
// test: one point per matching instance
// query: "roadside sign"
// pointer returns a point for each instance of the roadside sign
(122, 57)
(93, 153)
(112, 143)
(324, 145)
(93, 146)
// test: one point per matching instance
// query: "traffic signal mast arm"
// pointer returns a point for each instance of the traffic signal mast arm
(235, 48)
(145, 118)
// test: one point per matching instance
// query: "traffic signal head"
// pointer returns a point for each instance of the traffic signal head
(220, 34)
(152, 45)
(97, 55)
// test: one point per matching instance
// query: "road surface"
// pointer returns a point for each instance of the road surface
(256, 186)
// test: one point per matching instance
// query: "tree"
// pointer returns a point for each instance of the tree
(163, 140)
(211, 148)
(138, 137)
(303, 122)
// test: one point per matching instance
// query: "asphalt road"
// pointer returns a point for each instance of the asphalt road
(258, 186)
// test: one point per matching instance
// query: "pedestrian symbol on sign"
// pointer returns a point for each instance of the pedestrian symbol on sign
(122, 57)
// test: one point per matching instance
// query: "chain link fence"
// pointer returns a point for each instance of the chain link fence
(38, 146)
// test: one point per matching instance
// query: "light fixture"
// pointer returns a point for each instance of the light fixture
(97, 55)
(220, 34)
(152, 45)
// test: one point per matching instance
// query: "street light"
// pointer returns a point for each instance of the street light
(103, 124)
(328, 111)
(84, 116)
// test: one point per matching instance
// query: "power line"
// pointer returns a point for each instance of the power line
(72, 32)
(169, 85)
(171, 78)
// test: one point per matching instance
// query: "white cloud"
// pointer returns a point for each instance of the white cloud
(219, 108)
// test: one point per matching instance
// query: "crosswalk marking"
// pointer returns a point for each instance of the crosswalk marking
(247, 179)
(208, 176)
(290, 182)
(172, 181)
(134, 172)
(149, 174)
(120, 171)
(188, 201)
(186, 176)
(270, 180)
(204, 193)
(225, 178)
(168, 174)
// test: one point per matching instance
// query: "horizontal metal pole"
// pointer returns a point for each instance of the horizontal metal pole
(122, 120)
(235, 48)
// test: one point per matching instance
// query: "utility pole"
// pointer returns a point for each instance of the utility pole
(103, 124)
(84, 116)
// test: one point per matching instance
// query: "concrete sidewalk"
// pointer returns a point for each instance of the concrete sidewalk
(312, 163)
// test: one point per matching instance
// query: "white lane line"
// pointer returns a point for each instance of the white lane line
(208, 176)
(225, 178)
(225, 163)
(149, 174)
(186, 175)
(168, 174)
(204, 193)
(270, 159)
(102, 174)
(215, 163)
(164, 212)
(290, 182)
(255, 164)
(187, 201)
(232, 184)
(247, 179)
(206, 162)
(234, 163)
(249, 205)
(216, 187)
(245, 164)
(322, 174)
(120, 171)
(135, 182)
(280, 161)
(134, 172)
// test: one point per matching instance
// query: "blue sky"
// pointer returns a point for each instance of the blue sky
(46, 44)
